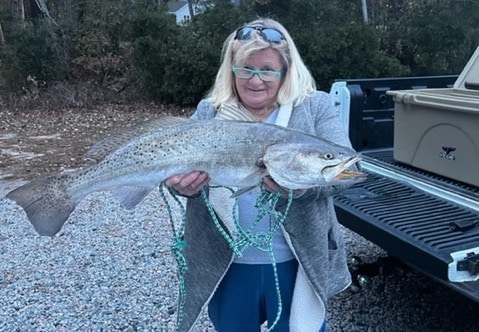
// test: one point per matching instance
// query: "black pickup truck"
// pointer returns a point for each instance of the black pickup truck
(424, 220)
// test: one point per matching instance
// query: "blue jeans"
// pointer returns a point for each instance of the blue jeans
(247, 297)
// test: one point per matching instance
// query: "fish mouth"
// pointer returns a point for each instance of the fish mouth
(347, 174)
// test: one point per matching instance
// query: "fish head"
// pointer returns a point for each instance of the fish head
(303, 166)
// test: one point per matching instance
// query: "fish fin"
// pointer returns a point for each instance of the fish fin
(46, 203)
(253, 177)
(245, 183)
(130, 196)
(242, 191)
(110, 143)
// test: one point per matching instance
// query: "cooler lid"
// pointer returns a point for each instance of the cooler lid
(469, 77)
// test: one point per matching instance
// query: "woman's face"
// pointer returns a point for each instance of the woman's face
(257, 96)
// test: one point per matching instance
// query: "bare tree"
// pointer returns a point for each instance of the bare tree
(2, 36)
(364, 6)
(190, 8)
(41, 7)
(18, 9)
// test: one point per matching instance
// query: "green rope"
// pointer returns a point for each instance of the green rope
(266, 205)
(274, 227)
(177, 246)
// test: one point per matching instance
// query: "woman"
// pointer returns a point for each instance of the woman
(263, 78)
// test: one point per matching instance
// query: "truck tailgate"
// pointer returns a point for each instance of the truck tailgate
(428, 222)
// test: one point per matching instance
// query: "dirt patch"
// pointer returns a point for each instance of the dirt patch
(35, 143)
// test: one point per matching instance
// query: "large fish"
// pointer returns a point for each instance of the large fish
(235, 154)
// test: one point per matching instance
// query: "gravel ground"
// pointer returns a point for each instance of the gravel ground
(111, 270)
(108, 270)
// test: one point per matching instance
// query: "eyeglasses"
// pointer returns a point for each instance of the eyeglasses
(270, 35)
(264, 75)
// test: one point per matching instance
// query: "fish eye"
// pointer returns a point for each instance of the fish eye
(328, 156)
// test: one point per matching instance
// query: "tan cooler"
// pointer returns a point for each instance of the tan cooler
(437, 130)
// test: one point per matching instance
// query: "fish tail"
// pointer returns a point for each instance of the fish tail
(46, 203)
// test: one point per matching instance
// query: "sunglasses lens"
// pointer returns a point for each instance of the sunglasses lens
(272, 35)
(245, 33)
(269, 34)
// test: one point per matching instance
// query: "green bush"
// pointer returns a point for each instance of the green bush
(193, 64)
(11, 79)
(178, 64)
(100, 45)
(114, 41)
(334, 41)
(433, 38)
(35, 50)
(154, 35)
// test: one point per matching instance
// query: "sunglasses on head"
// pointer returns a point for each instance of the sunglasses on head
(270, 35)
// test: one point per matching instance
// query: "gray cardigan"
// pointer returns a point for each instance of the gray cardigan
(311, 229)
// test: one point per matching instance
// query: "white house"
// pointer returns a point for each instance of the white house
(180, 10)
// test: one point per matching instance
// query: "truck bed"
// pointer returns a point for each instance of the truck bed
(429, 222)
(426, 221)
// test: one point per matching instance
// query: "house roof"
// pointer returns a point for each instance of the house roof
(174, 6)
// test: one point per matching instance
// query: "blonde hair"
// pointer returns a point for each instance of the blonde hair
(297, 81)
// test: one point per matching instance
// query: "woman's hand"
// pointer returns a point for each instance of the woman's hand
(188, 184)
(273, 187)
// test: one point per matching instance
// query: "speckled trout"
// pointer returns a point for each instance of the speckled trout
(235, 154)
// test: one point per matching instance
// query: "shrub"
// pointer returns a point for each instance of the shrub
(179, 63)
(100, 45)
(35, 49)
